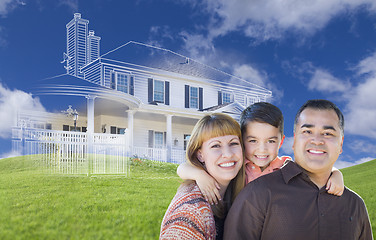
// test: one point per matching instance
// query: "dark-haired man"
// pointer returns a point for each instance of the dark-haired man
(292, 203)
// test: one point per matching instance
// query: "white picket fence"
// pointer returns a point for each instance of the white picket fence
(72, 152)
(159, 154)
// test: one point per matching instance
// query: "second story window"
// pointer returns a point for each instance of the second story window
(193, 98)
(159, 91)
(122, 82)
(226, 97)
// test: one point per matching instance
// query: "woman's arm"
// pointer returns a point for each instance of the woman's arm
(208, 186)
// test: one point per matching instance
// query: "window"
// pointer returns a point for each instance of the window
(72, 129)
(159, 91)
(122, 82)
(48, 126)
(251, 100)
(193, 98)
(186, 139)
(121, 131)
(65, 127)
(158, 139)
(226, 97)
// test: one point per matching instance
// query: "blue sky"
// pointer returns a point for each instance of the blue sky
(299, 49)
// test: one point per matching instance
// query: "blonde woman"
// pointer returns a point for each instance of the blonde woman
(216, 147)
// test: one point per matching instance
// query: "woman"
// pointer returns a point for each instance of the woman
(215, 146)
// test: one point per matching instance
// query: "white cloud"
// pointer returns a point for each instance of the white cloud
(361, 146)
(198, 47)
(361, 108)
(260, 78)
(367, 65)
(287, 146)
(12, 102)
(248, 72)
(323, 81)
(268, 19)
(344, 164)
(72, 4)
(5, 6)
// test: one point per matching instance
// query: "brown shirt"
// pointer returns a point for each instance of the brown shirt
(287, 205)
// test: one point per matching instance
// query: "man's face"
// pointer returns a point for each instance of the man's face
(318, 140)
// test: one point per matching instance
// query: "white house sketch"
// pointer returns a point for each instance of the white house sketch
(147, 97)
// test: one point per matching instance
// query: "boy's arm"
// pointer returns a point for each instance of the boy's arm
(335, 184)
(207, 184)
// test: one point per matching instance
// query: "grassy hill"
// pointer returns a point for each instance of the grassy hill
(35, 205)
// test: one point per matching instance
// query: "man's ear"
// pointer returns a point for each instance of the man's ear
(199, 156)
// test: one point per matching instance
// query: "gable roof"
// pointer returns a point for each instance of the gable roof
(163, 59)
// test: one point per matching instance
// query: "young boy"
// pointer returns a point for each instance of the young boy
(262, 131)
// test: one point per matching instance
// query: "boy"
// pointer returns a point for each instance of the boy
(262, 131)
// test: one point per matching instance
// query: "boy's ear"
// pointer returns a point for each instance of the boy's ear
(283, 138)
(199, 156)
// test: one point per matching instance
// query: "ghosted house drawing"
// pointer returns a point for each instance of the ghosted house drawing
(151, 96)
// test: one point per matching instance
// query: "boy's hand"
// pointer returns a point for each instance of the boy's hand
(209, 188)
(335, 184)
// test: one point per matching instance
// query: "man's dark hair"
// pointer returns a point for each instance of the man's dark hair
(321, 104)
(262, 112)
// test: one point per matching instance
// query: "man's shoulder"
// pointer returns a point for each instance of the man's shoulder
(350, 194)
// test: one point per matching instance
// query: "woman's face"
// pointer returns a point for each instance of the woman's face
(223, 157)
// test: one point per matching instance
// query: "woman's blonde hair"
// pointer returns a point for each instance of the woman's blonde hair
(210, 126)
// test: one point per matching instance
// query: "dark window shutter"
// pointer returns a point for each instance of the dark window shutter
(131, 85)
(219, 97)
(113, 80)
(150, 90)
(164, 139)
(65, 127)
(167, 93)
(200, 98)
(113, 130)
(151, 139)
(186, 96)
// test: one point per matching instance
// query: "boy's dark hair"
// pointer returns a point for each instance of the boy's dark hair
(262, 112)
(321, 104)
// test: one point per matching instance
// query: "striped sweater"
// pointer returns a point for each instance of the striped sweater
(189, 216)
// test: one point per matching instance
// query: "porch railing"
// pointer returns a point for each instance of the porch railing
(67, 152)
(72, 153)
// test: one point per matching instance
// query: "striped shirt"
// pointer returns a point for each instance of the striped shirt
(189, 216)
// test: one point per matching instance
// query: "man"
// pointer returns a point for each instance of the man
(292, 203)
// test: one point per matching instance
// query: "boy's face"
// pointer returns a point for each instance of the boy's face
(261, 143)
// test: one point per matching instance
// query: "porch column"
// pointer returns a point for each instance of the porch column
(90, 132)
(169, 137)
(130, 131)
(90, 114)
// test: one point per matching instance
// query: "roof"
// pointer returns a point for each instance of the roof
(163, 59)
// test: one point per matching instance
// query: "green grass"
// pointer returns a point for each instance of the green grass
(35, 205)
(361, 179)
